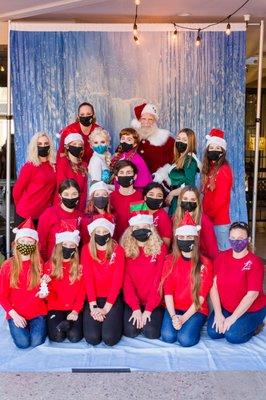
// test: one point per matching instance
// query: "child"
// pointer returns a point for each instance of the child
(99, 165)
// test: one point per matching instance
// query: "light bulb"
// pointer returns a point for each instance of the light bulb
(228, 29)
(175, 34)
(136, 39)
(198, 40)
(135, 30)
(137, 2)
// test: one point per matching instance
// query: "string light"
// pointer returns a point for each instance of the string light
(135, 26)
(137, 2)
(135, 30)
(198, 40)
(136, 39)
(228, 29)
(175, 32)
(2, 68)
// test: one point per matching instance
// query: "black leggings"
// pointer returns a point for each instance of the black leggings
(74, 333)
(110, 330)
(152, 330)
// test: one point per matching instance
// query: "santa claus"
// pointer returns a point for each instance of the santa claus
(156, 145)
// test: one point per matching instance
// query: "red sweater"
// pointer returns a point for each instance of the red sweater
(163, 223)
(178, 283)
(208, 241)
(235, 277)
(216, 203)
(34, 189)
(104, 278)
(142, 279)
(65, 171)
(52, 221)
(62, 294)
(120, 206)
(21, 299)
(76, 128)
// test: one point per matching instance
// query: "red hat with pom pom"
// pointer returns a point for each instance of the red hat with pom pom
(26, 229)
(106, 222)
(187, 226)
(216, 136)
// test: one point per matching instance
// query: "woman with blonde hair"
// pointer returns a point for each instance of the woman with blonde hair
(66, 289)
(189, 201)
(35, 187)
(183, 170)
(145, 253)
(99, 165)
(21, 295)
(103, 268)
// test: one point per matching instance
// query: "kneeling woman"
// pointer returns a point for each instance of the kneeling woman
(187, 280)
(237, 293)
(66, 289)
(145, 253)
(103, 267)
(20, 295)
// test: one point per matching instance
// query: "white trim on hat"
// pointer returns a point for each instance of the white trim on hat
(150, 109)
(103, 223)
(141, 219)
(26, 232)
(187, 230)
(71, 137)
(216, 140)
(99, 186)
(67, 236)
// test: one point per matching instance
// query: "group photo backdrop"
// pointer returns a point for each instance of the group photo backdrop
(53, 70)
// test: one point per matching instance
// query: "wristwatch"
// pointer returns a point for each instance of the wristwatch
(95, 306)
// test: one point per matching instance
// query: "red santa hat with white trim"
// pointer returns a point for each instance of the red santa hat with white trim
(67, 236)
(216, 136)
(141, 218)
(106, 222)
(26, 229)
(187, 226)
(145, 108)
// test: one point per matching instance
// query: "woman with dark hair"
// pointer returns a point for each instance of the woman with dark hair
(84, 125)
(237, 293)
(65, 215)
(217, 182)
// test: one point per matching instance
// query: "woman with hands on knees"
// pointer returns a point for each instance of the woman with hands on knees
(237, 293)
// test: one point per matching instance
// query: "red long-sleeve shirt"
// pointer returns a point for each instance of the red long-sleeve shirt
(34, 189)
(216, 203)
(104, 278)
(76, 128)
(52, 221)
(179, 285)
(208, 241)
(65, 171)
(64, 295)
(21, 299)
(163, 223)
(142, 279)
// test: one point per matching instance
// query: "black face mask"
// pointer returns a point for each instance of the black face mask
(126, 181)
(142, 235)
(75, 150)
(181, 147)
(101, 240)
(214, 155)
(185, 245)
(125, 147)
(100, 202)
(68, 252)
(43, 151)
(154, 204)
(188, 205)
(70, 203)
(86, 121)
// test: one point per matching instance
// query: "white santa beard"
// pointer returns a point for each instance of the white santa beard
(147, 131)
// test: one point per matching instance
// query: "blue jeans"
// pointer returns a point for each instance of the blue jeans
(188, 335)
(242, 330)
(33, 334)
(222, 236)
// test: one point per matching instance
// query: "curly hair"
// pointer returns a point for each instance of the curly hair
(151, 247)
(33, 149)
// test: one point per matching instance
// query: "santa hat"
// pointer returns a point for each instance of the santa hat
(216, 136)
(141, 218)
(71, 137)
(106, 222)
(187, 226)
(99, 186)
(145, 108)
(26, 229)
(67, 236)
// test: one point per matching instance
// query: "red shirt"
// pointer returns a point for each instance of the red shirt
(21, 299)
(76, 128)
(178, 283)
(157, 156)
(34, 189)
(142, 279)
(120, 205)
(235, 277)
(64, 295)
(104, 278)
(65, 171)
(216, 203)
(163, 223)
(54, 220)
(207, 238)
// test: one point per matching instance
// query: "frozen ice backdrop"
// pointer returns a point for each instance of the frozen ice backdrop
(196, 87)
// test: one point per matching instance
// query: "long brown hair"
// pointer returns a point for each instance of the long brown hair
(110, 245)
(179, 158)
(209, 174)
(75, 271)
(77, 168)
(35, 270)
(179, 212)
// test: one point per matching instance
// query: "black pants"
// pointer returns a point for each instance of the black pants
(152, 329)
(75, 332)
(110, 330)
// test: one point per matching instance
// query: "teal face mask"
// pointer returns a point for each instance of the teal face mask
(100, 149)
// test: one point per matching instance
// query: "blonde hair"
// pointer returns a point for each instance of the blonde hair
(103, 133)
(57, 265)
(110, 245)
(179, 158)
(179, 212)
(151, 247)
(34, 275)
(33, 150)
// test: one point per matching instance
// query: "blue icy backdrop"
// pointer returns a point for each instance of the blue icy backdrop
(196, 87)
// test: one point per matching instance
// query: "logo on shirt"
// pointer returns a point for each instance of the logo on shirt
(155, 221)
(247, 266)
(153, 258)
(112, 259)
